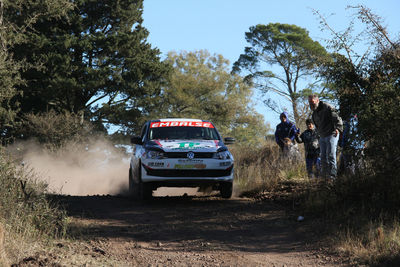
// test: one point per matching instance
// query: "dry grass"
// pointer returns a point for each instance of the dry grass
(261, 173)
(262, 168)
(3, 257)
(29, 223)
(377, 244)
(27, 216)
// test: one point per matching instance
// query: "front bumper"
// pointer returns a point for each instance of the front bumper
(187, 171)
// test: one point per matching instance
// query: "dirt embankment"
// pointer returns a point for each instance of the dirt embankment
(184, 231)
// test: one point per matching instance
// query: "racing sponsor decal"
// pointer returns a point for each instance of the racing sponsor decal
(156, 164)
(188, 145)
(158, 143)
(169, 145)
(190, 166)
(200, 166)
(181, 123)
(190, 160)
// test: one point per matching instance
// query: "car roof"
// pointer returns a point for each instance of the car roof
(178, 119)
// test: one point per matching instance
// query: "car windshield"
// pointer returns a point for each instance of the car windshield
(183, 132)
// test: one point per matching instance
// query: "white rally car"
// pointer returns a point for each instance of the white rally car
(180, 153)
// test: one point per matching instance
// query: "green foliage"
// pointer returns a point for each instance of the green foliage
(368, 87)
(95, 60)
(54, 130)
(371, 194)
(344, 81)
(371, 90)
(14, 25)
(379, 125)
(202, 87)
(291, 49)
(9, 77)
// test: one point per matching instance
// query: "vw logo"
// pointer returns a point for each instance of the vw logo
(190, 155)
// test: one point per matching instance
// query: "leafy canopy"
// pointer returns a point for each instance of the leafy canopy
(17, 18)
(97, 62)
(368, 87)
(291, 50)
(202, 87)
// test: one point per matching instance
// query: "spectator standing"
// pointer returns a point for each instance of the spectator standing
(285, 129)
(310, 139)
(328, 124)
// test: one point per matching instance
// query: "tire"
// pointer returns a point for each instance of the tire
(142, 191)
(133, 187)
(130, 186)
(226, 190)
(146, 192)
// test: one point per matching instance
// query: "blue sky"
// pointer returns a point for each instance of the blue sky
(219, 25)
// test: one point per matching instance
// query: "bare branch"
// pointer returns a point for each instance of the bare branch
(368, 17)
(338, 36)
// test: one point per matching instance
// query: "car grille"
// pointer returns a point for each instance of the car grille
(189, 173)
(180, 155)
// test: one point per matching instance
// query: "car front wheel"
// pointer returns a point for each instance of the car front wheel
(146, 192)
(226, 189)
(142, 191)
(134, 189)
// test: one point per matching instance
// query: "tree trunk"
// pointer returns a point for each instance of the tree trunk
(295, 111)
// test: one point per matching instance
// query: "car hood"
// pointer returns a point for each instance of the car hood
(187, 145)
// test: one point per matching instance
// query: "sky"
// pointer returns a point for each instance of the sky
(219, 26)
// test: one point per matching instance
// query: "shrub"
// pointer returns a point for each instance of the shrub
(54, 130)
(25, 211)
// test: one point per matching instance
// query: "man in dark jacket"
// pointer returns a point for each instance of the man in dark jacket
(285, 129)
(328, 124)
(310, 139)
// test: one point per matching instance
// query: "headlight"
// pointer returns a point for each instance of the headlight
(223, 155)
(152, 154)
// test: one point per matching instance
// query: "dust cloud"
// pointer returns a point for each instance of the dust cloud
(95, 169)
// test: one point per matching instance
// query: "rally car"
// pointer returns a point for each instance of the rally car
(180, 153)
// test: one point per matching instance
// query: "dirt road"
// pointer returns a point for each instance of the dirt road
(185, 231)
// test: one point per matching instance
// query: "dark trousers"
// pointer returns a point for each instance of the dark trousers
(313, 162)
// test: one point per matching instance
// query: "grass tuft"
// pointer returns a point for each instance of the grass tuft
(26, 214)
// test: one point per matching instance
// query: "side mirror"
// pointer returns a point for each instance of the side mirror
(229, 140)
(137, 140)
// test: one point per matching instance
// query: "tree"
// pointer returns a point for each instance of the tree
(97, 62)
(56, 130)
(347, 75)
(16, 18)
(291, 49)
(359, 77)
(202, 87)
(367, 85)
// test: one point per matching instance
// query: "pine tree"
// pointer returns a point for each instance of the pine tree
(96, 61)
(16, 19)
